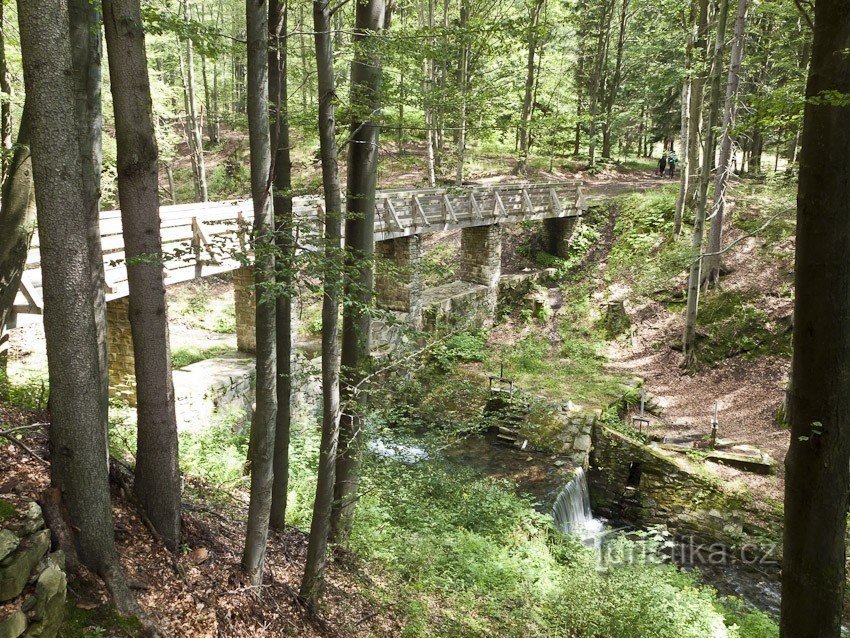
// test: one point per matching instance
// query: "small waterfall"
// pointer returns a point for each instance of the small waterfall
(572, 509)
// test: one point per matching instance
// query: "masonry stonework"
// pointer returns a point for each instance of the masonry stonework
(398, 277)
(122, 370)
(558, 235)
(243, 297)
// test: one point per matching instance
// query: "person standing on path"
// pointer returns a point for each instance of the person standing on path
(662, 164)
(672, 160)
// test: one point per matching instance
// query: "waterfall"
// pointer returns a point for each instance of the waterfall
(572, 509)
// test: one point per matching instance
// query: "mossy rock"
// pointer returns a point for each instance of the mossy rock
(14, 625)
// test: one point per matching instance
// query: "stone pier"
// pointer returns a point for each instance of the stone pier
(558, 235)
(398, 276)
(481, 258)
(243, 297)
(122, 370)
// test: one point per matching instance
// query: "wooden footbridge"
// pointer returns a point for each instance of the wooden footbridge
(200, 240)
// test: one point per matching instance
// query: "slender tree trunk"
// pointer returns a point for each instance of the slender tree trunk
(428, 106)
(5, 106)
(312, 584)
(696, 97)
(686, 132)
(614, 88)
(362, 168)
(78, 421)
(721, 182)
(689, 341)
(596, 84)
(536, 10)
(212, 116)
(157, 475)
(265, 416)
(813, 564)
(463, 83)
(285, 266)
(86, 53)
(17, 224)
(197, 145)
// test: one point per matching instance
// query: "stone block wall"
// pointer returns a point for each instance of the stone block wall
(31, 578)
(245, 306)
(558, 235)
(398, 276)
(481, 255)
(122, 371)
(209, 389)
(645, 485)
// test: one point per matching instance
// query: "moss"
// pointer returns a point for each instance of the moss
(182, 357)
(734, 326)
(101, 621)
(7, 510)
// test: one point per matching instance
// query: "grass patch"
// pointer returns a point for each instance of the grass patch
(97, 623)
(187, 355)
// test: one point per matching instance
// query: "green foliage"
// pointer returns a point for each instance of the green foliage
(27, 389)
(217, 453)
(643, 253)
(439, 265)
(464, 347)
(734, 326)
(96, 623)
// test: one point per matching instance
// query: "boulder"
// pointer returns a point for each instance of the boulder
(49, 608)
(9, 542)
(14, 625)
(15, 569)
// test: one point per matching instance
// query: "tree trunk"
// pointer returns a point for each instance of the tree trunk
(525, 118)
(596, 84)
(721, 182)
(696, 97)
(86, 53)
(312, 584)
(686, 128)
(689, 341)
(463, 81)
(157, 474)
(17, 224)
(264, 422)
(285, 266)
(614, 88)
(816, 480)
(78, 422)
(365, 101)
(196, 145)
(5, 106)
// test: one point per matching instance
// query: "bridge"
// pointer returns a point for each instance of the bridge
(201, 240)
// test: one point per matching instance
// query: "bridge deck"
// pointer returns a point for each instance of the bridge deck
(200, 240)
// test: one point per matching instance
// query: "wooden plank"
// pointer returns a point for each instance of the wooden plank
(527, 208)
(447, 211)
(417, 211)
(474, 208)
(392, 217)
(499, 206)
(556, 203)
(31, 294)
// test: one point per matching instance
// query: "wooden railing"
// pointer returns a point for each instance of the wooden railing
(200, 240)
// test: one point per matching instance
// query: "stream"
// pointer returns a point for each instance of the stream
(559, 487)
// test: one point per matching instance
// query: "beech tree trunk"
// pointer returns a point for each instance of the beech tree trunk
(285, 264)
(78, 423)
(694, 278)
(724, 165)
(265, 415)
(5, 106)
(816, 480)
(596, 84)
(362, 167)
(157, 473)
(312, 585)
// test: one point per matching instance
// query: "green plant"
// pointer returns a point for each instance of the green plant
(464, 347)
(187, 355)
